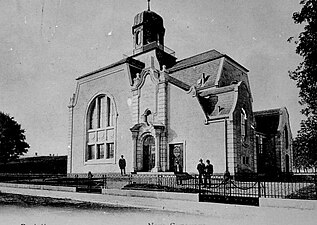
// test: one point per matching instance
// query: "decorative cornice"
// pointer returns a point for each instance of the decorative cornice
(140, 79)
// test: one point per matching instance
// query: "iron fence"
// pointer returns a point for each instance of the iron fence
(294, 186)
(162, 182)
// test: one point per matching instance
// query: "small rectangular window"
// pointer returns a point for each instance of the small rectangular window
(245, 160)
(100, 151)
(91, 152)
(259, 145)
(110, 150)
(243, 121)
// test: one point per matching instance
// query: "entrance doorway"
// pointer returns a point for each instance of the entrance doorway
(148, 154)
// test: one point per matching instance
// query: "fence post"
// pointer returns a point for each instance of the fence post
(130, 178)
(199, 187)
(315, 179)
(76, 180)
(104, 179)
(226, 178)
(160, 179)
(259, 188)
(224, 188)
(230, 180)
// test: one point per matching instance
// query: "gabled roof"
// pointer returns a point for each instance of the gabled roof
(122, 61)
(194, 60)
(206, 67)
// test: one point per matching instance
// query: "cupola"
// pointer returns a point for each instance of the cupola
(147, 30)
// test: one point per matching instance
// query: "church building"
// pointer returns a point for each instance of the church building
(156, 110)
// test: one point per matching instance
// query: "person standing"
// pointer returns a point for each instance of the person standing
(122, 165)
(90, 181)
(209, 170)
(201, 170)
(178, 172)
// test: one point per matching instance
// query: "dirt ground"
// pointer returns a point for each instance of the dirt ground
(25, 200)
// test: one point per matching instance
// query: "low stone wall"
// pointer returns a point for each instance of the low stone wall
(153, 194)
(288, 203)
(39, 187)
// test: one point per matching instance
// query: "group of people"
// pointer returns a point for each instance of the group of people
(205, 172)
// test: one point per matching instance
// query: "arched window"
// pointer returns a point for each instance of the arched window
(243, 125)
(286, 137)
(100, 129)
(138, 38)
(147, 116)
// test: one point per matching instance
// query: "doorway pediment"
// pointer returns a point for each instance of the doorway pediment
(154, 129)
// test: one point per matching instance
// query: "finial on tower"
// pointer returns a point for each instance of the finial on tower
(148, 5)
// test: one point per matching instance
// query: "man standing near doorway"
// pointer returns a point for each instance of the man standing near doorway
(122, 165)
(178, 172)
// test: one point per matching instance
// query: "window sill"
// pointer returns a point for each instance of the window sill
(99, 161)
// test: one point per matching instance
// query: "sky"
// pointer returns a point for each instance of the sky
(46, 44)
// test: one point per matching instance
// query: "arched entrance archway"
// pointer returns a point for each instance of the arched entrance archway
(148, 153)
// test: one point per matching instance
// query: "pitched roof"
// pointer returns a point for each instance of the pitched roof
(217, 102)
(194, 60)
(190, 70)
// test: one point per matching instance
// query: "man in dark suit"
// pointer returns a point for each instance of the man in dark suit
(209, 170)
(201, 170)
(122, 165)
(178, 172)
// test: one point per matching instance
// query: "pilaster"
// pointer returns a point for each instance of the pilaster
(70, 135)
(134, 150)
(135, 106)
(157, 167)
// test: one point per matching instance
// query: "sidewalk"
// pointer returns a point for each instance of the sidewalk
(249, 214)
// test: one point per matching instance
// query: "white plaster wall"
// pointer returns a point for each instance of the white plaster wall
(186, 125)
(113, 81)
